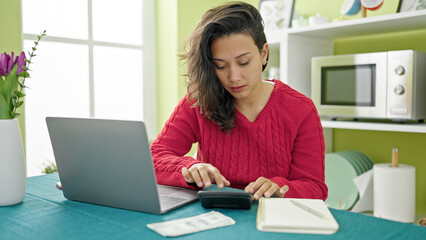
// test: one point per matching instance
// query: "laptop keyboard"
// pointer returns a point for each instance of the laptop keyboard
(165, 190)
(171, 197)
(170, 201)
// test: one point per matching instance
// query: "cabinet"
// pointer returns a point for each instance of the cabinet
(292, 50)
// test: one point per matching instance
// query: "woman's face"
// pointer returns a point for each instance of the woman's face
(238, 64)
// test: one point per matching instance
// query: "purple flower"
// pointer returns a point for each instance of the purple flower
(21, 62)
(4, 58)
(11, 63)
(6, 63)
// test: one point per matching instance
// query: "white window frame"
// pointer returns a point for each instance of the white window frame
(148, 48)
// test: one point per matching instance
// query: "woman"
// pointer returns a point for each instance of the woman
(260, 136)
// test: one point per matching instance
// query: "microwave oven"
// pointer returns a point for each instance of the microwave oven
(379, 85)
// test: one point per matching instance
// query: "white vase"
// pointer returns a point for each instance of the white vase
(12, 163)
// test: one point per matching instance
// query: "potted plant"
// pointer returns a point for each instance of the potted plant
(13, 72)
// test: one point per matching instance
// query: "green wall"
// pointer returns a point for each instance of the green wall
(10, 26)
(167, 61)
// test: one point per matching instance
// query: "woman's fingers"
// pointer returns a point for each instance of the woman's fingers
(249, 187)
(187, 175)
(265, 187)
(226, 182)
(196, 176)
(281, 192)
(204, 174)
(216, 177)
(254, 186)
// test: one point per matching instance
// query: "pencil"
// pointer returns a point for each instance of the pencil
(308, 209)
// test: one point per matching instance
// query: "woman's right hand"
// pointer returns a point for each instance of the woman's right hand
(204, 174)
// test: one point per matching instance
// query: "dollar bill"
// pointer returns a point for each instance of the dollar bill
(193, 224)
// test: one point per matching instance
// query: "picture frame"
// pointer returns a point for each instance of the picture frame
(411, 5)
(276, 14)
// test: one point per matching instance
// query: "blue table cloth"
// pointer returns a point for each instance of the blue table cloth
(46, 214)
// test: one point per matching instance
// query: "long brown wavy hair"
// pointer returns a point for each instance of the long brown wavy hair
(204, 88)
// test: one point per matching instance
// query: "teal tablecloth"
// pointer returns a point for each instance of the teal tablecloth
(46, 214)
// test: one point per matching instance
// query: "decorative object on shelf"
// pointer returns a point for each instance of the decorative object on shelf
(372, 4)
(317, 20)
(411, 5)
(299, 22)
(276, 14)
(352, 7)
(13, 72)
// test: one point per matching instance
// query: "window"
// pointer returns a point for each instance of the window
(92, 63)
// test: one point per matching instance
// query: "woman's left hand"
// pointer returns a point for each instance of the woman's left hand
(264, 186)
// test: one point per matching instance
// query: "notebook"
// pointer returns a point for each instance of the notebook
(295, 215)
(108, 162)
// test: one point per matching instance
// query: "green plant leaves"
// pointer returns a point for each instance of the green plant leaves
(12, 86)
(19, 94)
(4, 107)
(10, 95)
(24, 74)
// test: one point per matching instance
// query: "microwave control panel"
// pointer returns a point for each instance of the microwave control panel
(406, 85)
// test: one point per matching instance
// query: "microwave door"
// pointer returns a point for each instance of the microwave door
(351, 86)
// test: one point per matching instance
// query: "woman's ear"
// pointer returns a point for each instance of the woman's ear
(265, 53)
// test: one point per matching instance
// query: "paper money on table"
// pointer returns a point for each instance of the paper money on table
(189, 225)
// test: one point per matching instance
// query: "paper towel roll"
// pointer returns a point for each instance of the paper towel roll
(395, 192)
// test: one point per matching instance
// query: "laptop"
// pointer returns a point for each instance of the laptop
(109, 162)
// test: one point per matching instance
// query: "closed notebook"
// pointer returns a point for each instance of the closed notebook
(295, 215)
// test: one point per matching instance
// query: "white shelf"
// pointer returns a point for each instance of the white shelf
(364, 26)
(297, 46)
(392, 127)
(356, 27)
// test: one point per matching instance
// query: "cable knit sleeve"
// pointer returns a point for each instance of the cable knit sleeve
(175, 140)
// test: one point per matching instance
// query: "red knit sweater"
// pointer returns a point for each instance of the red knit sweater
(284, 144)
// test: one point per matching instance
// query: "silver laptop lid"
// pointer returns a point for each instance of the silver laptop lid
(106, 162)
